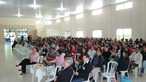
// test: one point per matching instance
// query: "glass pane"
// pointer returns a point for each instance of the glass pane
(119, 34)
(128, 5)
(97, 33)
(127, 33)
(79, 34)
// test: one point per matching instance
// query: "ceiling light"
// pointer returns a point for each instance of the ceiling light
(35, 5)
(2, 2)
(61, 9)
(118, 1)
(96, 4)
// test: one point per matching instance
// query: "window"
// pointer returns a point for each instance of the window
(9, 34)
(79, 34)
(97, 12)
(47, 22)
(118, 1)
(79, 16)
(67, 34)
(58, 21)
(124, 6)
(128, 5)
(124, 33)
(39, 22)
(97, 33)
(67, 19)
(22, 31)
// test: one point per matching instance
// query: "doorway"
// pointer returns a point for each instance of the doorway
(9, 34)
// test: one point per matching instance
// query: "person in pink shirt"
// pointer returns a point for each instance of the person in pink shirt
(59, 61)
(29, 61)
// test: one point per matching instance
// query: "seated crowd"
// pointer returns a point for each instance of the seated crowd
(94, 53)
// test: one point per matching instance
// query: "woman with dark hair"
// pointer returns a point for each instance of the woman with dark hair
(123, 62)
(59, 61)
(29, 61)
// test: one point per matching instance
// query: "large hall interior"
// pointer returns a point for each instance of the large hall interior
(72, 40)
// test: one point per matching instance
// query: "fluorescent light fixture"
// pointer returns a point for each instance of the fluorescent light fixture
(79, 16)
(67, 19)
(97, 12)
(118, 1)
(2, 2)
(96, 4)
(47, 22)
(61, 9)
(58, 21)
(35, 5)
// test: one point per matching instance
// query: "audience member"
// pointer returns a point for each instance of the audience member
(66, 73)
(83, 71)
(31, 60)
(136, 59)
(143, 52)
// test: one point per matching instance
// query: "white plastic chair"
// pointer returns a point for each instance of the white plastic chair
(39, 74)
(110, 73)
(136, 71)
(51, 79)
(124, 72)
(77, 55)
(32, 72)
(76, 65)
(104, 68)
(28, 68)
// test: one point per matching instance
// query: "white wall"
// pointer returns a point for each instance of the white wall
(108, 22)
(17, 23)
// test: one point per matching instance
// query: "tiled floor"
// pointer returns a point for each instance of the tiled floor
(9, 73)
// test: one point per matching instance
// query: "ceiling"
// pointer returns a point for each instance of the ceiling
(48, 9)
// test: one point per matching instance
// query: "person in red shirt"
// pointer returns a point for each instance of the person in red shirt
(73, 52)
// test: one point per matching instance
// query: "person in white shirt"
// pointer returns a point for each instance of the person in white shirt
(91, 52)
(136, 59)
